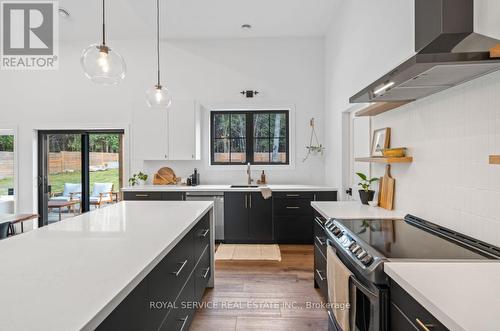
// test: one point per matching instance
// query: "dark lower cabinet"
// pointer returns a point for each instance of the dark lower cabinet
(154, 196)
(236, 217)
(320, 246)
(260, 227)
(293, 215)
(166, 298)
(247, 218)
(407, 314)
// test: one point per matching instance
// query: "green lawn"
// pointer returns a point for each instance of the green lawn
(108, 176)
(57, 180)
(5, 184)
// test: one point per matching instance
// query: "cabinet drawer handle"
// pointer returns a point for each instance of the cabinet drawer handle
(184, 321)
(204, 234)
(321, 241)
(142, 195)
(246, 201)
(176, 273)
(320, 275)
(250, 199)
(425, 327)
(205, 275)
(292, 207)
(293, 195)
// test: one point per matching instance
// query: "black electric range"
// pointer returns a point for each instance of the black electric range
(364, 245)
(368, 243)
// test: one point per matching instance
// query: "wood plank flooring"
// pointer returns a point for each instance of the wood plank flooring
(264, 295)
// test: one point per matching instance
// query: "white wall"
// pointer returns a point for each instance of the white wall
(449, 134)
(286, 71)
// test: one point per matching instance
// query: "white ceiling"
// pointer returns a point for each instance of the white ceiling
(131, 19)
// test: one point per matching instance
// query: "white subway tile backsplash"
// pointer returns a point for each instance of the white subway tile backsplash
(450, 135)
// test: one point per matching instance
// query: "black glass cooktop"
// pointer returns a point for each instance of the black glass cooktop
(418, 240)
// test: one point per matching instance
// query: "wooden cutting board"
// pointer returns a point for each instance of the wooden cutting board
(386, 191)
(165, 176)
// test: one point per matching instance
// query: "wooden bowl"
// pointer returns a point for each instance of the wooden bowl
(394, 152)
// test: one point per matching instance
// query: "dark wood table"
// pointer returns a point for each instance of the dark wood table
(16, 218)
(62, 204)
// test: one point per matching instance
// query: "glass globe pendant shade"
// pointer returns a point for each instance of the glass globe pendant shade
(102, 65)
(158, 97)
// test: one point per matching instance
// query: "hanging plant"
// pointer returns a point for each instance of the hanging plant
(314, 147)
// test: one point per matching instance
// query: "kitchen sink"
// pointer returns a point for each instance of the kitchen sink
(244, 186)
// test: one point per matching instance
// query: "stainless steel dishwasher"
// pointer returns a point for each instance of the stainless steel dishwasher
(218, 199)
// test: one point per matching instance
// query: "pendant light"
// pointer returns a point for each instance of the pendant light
(158, 96)
(100, 63)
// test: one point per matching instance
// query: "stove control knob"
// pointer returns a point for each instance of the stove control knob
(337, 232)
(361, 254)
(354, 247)
(367, 260)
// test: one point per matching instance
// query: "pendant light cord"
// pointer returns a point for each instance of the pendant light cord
(103, 22)
(158, 37)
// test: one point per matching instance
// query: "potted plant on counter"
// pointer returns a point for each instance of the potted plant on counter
(366, 194)
(138, 179)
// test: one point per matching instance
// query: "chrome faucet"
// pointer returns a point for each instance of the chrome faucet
(249, 174)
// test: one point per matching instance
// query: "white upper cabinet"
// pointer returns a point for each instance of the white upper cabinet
(184, 131)
(150, 134)
(172, 134)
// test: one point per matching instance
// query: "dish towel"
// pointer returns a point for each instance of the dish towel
(341, 297)
(266, 192)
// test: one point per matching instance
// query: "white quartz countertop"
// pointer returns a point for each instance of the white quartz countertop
(354, 210)
(71, 274)
(461, 295)
(223, 188)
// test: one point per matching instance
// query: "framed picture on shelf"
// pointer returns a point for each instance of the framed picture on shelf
(380, 141)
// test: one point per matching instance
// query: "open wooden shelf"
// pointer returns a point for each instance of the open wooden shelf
(494, 159)
(379, 108)
(387, 160)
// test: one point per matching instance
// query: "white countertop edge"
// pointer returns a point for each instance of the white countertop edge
(354, 210)
(118, 298)
(225, 188)
(422, 299)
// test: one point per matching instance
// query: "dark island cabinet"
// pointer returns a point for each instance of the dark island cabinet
(166, 298)
(247, 218)
(407, 314)
(154, 196)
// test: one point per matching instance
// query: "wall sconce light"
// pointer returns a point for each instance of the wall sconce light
(249, 93)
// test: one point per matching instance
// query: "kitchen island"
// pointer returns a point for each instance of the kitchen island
(85, 272)
(461, 295)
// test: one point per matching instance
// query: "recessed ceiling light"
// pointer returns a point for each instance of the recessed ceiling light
(246, 26)
(64, 13)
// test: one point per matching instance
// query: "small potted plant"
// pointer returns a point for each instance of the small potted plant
(366, 194)
(138, 179)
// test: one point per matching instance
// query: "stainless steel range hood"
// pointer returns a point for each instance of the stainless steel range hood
(449, 53)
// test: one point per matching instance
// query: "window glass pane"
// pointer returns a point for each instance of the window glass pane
(221, 125)
(261, 125)
(278, 150)
(261, 150)
(278, 125)
(238, 151)
(238, 125)
(221, 150)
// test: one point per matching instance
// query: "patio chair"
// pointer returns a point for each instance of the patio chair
(102, 193)
(72, 191)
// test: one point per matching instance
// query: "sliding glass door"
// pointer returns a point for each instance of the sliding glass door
(78, 171)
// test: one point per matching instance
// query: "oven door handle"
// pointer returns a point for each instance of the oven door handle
(366, 291)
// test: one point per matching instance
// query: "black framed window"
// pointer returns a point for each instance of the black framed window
(258, 137)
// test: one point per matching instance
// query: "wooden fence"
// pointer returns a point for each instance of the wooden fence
(6, 164)
(71, 161)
